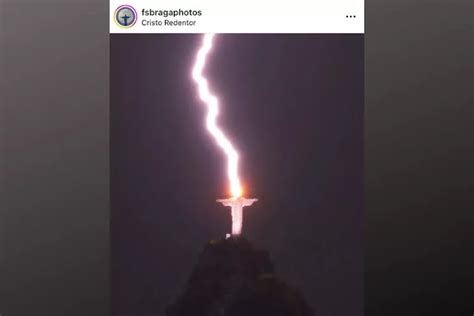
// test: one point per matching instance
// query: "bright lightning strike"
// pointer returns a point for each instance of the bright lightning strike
(213, 110)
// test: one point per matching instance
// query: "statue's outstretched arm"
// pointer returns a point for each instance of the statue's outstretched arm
(225, 202)
(248, 202)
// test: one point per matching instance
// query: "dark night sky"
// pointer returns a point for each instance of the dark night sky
(293, 105)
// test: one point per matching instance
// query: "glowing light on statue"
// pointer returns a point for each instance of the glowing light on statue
(236, 202)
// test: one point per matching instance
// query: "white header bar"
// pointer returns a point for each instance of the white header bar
(238, 16)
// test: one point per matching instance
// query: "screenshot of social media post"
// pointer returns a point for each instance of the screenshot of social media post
(236, 158)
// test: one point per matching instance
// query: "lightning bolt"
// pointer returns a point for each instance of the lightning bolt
(212, 104)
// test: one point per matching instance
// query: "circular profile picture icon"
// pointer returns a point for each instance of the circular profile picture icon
(125, 16)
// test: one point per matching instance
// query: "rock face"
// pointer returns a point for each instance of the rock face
(232, 278)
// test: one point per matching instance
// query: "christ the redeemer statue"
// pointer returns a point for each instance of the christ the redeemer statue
(125, 19)
(237, 204)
